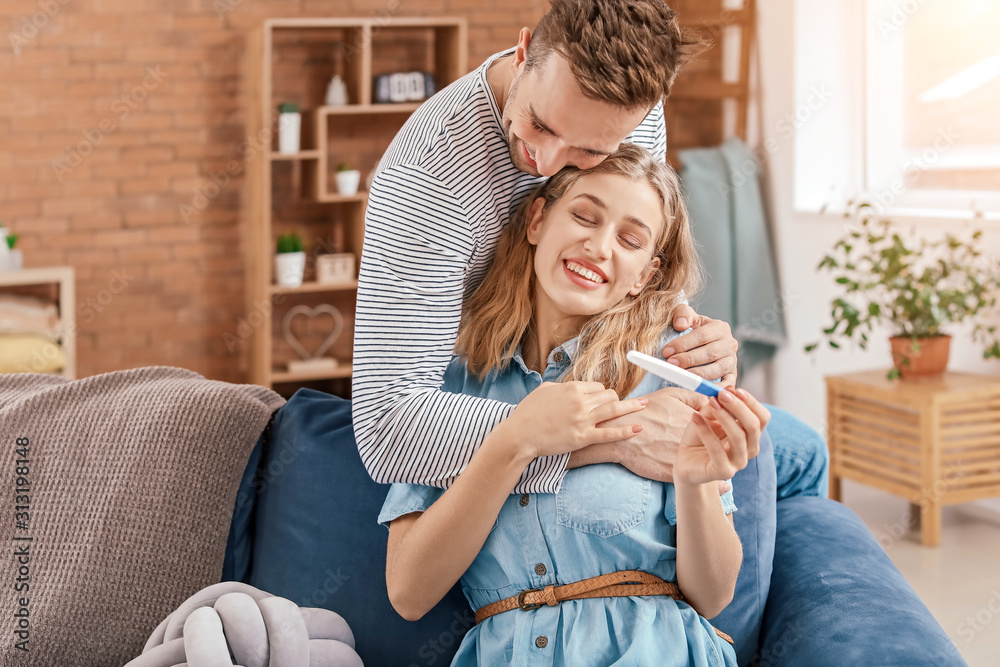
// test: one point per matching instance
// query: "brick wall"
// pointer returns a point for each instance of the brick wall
(113, 115)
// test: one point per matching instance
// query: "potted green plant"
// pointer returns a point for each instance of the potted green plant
(348, 179)
(290, 260)
(915, 287)
(10, 259)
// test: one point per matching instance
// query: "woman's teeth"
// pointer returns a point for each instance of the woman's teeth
(586, 273)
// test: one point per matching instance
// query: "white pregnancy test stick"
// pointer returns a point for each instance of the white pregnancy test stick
(674, 374)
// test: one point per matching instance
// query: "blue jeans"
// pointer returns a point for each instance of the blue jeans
(801, 457)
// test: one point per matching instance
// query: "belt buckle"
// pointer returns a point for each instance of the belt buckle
(523, 605)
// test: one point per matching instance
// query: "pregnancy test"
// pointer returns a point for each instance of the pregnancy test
(675, 374)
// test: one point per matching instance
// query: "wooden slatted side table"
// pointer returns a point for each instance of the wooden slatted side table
(934, 441)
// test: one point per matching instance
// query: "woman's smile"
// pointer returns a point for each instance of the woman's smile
(586, 277)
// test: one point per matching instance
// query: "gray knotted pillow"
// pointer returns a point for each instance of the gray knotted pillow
(129, 482)
(233, 621)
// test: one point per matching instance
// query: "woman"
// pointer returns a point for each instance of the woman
(584, 273)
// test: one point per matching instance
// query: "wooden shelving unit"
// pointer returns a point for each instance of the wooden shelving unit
(292, 60)
(696, 108)
(59, 285)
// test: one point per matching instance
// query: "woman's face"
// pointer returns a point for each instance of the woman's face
(596, 244)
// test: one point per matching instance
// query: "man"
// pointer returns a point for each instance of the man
(593, 75)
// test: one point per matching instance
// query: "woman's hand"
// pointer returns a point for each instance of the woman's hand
(561, 417)
(721, 438)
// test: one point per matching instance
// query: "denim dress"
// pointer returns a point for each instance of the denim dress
(603, 519)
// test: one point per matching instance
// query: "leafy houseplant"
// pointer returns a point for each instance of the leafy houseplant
(290, 260)
(915, 289)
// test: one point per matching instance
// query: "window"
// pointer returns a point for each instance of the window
(923, 78)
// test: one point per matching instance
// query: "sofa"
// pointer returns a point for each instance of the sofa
(304, 528)
(143, 487)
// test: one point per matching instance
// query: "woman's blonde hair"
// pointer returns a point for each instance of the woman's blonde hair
(498, 315)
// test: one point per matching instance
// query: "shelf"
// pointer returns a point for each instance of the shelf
(301, 155)
(37, 276)
(313, 286)
(332, 198)
(64, 279)
(292, 60)
(371, 24)
(361, 109)
(342, 371)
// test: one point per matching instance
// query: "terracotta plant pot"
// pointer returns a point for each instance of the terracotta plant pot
(930, 359)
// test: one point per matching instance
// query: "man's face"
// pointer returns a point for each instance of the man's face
(550, 123)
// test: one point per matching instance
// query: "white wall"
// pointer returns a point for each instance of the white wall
(794, 380)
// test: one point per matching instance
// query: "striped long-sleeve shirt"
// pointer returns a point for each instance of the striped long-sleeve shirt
(443, 192)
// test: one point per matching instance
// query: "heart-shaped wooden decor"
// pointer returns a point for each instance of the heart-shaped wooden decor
(323, 309)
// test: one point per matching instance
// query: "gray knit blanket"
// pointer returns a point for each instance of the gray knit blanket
(118, 494)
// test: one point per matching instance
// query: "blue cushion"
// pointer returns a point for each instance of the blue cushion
(239, 544)
(316, 541)
(836, 598)
(754, 493)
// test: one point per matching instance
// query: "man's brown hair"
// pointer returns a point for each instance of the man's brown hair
(623, 52)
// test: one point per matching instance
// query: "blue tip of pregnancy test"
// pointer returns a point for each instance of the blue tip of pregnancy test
(707, 389)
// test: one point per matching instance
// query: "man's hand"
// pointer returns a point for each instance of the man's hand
(652, 452)
(709, 351)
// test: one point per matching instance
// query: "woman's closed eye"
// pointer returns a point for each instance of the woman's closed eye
(631, 241)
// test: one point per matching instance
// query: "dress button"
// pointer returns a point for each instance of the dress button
(540, 569)
(524, 500)
(557, 357)
(541, 641)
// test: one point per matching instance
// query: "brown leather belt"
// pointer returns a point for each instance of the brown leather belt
(617, 584)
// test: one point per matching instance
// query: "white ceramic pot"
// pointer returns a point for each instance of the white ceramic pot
(289, 268)
(289, 131)
(348, 181)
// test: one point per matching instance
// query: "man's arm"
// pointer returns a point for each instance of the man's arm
(412, 281)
